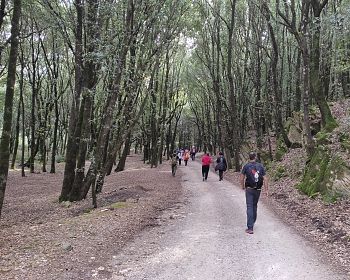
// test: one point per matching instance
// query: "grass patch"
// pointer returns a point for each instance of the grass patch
(118, 205)
(88, 210)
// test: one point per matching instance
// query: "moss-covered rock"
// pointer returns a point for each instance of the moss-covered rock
(294, 129)
(320, 174)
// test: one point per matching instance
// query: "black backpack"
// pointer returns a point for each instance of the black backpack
(254, 177)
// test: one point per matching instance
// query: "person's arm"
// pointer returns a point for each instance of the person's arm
(242, 181)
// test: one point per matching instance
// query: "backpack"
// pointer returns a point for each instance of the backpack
(187, 156)
(254, 177)
(220, 164)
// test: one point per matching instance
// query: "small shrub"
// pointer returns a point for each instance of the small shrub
(280, 173)
(59, 158)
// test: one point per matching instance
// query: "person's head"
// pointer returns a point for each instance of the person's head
(221, 153)
(252, 156)
(208, 154)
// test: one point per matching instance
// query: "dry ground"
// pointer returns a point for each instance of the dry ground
(42, 239)
(325, 225)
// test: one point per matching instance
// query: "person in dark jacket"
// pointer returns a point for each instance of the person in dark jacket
(253, 179)
(221, 165)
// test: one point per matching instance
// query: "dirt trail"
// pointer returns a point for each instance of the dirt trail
(205, 239)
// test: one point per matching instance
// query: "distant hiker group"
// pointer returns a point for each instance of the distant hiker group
(180, 155)
(185, 154)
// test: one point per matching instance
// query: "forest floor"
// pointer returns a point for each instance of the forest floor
(43, 239)
(207, 240)
(326, 225)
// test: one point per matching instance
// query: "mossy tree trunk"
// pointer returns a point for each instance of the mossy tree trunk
(317, 89)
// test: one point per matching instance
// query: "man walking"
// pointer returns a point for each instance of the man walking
(253, 178)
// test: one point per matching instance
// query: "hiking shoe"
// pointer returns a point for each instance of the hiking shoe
(249, 231)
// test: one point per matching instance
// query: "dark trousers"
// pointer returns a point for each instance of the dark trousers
(221, 174)
(180, 161)
(186, 160)
(173, 169)
(252, 198)
(205, 171)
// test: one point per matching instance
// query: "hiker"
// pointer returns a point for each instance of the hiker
(173, 164)
(186, 157)
(193, 152)
(221, 165)
(253, 178)
(206, 161)
(179, 156)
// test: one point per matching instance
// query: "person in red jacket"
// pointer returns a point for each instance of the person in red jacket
(206, 161)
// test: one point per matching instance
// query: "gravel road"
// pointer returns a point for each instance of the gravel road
(205, 239)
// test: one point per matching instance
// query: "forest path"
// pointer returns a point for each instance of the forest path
(205, 240)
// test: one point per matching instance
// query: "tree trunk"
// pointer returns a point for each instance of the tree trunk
(126, 151)
(72, 145)
(317, 89)
(55, 132)
(15, 148)
(107, 120)
(21, 91)
(275, 86)
(297, 100)
(310, 145)
(88, 88)
(10, 88)
(33, 118)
